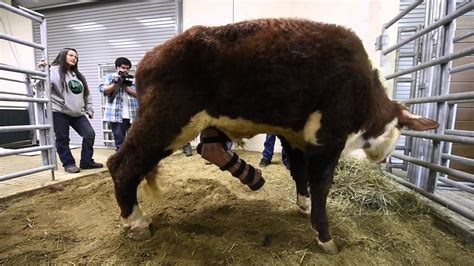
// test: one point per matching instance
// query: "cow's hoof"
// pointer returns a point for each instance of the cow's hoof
(139, 233)
(329, 247)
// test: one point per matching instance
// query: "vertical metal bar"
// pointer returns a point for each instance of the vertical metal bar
(48, 113)
(444, 79)
(451, 120)
(179, 16)
(430, 148)
(423, 90)
(413, 87)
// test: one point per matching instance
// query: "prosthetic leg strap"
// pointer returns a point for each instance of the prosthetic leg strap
(240, 170)
(233, 160)
(213, 149)
(219, 138)
(213, 139)
(249, 177)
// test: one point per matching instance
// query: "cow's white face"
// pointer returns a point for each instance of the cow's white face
(379, 148)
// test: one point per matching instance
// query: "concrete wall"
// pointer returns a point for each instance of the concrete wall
(364, 17)
(13, 54)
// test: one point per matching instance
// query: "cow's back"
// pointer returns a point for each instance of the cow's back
(281, 70)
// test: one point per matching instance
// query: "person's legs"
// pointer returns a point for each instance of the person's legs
(85, 130)
(61, 131)
(119, 130)
(267, 153)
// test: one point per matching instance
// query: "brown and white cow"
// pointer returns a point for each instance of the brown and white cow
(310, 83)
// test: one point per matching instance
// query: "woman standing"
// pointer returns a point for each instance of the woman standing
(71, 101)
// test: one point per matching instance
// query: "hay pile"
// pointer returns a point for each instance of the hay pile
(359, 184)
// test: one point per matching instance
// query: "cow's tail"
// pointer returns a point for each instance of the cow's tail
(152, 187)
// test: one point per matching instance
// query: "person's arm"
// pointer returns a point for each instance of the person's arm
(88, 106)
(109, 89)
(131, 90)
(42, 66)
(107, 86)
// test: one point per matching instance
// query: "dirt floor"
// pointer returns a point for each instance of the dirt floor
(208, 217)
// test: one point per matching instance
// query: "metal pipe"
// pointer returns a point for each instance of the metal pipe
(38, 78)
(13, 93)
(441, 169)
(439, 60)
(461, 68)
(402, 13)
(459, 159)
(23, 99)
(439, 137)
(446, 19)
(22, 70)
(9, 107)
(456, 132)
(456, 185)
(47, 138)
(24, 128)
(469, 184)
(20, 41)
(34, 13)
(460, 101)
(463, 3)
(12, 80)
(463, 36)
(27, 172)
(20, 151)
(441, 98)
(20, 12)
(443, 201)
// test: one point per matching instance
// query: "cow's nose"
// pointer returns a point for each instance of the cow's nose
(384, 160)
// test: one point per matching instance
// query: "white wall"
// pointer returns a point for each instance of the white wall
(364, 17)
(13, 54)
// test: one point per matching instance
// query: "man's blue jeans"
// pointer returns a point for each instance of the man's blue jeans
(61, 130)
(269, 147)
(120, 131)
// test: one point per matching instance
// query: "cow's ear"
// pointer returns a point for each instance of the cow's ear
(416, 122)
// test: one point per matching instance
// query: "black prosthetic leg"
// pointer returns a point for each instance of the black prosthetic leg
(213, 148)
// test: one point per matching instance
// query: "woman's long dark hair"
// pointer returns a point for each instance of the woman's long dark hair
(60, 61)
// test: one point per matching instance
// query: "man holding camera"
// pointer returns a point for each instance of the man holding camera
(120, 98)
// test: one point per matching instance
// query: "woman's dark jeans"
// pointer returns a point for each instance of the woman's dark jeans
(83, 127)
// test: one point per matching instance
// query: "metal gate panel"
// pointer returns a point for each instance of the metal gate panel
(102, 32)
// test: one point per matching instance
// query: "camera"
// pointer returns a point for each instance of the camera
(123, 78)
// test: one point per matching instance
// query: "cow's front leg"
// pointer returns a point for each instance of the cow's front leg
(297, 169)
(321, 161)
(136, 159)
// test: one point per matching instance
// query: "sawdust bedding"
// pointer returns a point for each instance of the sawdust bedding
(207, 217)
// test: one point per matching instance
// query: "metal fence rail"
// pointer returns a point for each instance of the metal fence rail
(41, 124)
(428, 154)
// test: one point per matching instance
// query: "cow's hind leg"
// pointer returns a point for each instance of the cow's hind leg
(321, 161)
(213, 148)
(297, 170)
(137, 157)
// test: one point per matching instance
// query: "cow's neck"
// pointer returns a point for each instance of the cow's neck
(382, 112)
